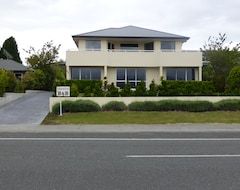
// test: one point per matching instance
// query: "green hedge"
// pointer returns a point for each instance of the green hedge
(81, 84)
(172, 105)
(76, 106)
(114, 106)
(228, 105)
(186, 88)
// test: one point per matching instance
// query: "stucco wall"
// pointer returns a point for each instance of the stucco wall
(127, 100)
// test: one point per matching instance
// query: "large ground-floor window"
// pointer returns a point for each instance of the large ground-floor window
(131, 75)
(180, 73)
(87, 73)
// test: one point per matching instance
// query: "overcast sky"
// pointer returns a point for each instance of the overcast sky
(35, 22)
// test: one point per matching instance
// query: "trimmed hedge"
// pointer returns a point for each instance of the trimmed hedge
(114, 106)
(228, 105)
(76, 106)
(172, 105)
(186, 88)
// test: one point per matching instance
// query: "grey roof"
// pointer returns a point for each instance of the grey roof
(130, 32)
(11, 65)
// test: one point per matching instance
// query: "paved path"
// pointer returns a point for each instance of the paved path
(30, 109)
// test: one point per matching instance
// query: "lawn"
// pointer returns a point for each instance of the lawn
(129, 117)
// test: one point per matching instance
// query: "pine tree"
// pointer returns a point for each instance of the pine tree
(9, 50)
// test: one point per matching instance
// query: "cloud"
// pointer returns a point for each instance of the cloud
(34, 22)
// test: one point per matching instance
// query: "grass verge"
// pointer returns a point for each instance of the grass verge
(143, 118)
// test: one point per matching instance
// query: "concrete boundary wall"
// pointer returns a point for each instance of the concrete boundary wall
(127, 100)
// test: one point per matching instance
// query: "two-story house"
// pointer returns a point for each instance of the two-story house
(132, 54)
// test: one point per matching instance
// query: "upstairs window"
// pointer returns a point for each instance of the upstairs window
(93, 44)
(168, 45)
(85, 73)
(129, 47)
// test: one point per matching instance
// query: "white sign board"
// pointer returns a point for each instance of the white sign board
(63, 91)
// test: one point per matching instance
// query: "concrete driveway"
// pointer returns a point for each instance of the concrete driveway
(29, 109)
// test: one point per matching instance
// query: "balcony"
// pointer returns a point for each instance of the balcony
(135, 58)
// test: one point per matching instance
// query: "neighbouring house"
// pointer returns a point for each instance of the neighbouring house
(132, 54)
(17, 68)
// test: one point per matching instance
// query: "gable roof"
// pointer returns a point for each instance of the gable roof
(11, 65)
(130, 32)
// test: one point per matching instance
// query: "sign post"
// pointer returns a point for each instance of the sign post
(62, 91)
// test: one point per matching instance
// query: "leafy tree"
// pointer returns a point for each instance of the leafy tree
(45, 59)
(3, 81)
(9, 50)
(12, 81)
(34, 80)
(222, 58)
(233, 81)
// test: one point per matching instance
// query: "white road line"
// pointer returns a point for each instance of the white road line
(183, 156)
(114, 139)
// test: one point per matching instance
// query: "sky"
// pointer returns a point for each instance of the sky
(35, 22)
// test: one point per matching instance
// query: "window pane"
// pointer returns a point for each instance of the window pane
(96, 74)
(74, 73)
(167, 45)
(171, 74)
(85, 73)
(141, 74)
(129, 46)
(181, 74)
(93, 44)
(130, 74)
(121, 84)
(133, 84)
(190, 74)
(120, 74)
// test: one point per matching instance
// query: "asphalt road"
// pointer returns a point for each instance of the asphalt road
(30, 109)
(111, 161)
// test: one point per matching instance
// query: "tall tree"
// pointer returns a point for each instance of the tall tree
(44, 59)
(221, 58)
(9, 50)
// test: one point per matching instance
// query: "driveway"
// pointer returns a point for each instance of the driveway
(30, 109)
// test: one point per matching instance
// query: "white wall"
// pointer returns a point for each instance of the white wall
(127, 100)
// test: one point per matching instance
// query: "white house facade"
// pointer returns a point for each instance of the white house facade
(132, 54)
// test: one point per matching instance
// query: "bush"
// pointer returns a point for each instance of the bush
(228, 105)
(3, 81)
(12, 81)
(141, 89)
(74, 90)
(19, 88)
(143, 106)
(233, 81)
(112, 91)
(172, 105)
(98, 91)
(114, 106)
(186, 88)
(76, 106)
(126, 91)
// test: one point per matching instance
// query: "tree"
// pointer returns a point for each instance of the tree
(34, 80)
(9, 50)
(233, 81)
(45, 59)
(222, 58)
(3, 81)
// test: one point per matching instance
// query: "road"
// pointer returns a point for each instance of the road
(30, 109)
(108, 161)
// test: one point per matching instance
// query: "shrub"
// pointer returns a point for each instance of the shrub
(97, 91)
(172, 105)
(233, 81)
(112, 91)
(76, 106)
(186, 88)
(141, 89)
(3, 81)
(153, 89)
(126, 91)
(19, 88)
(87, 92)
(12, 81)
(74, 90)
(228, 105)
(143, 106)
(114, 106)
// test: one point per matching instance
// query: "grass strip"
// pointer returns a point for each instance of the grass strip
(129, 117)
